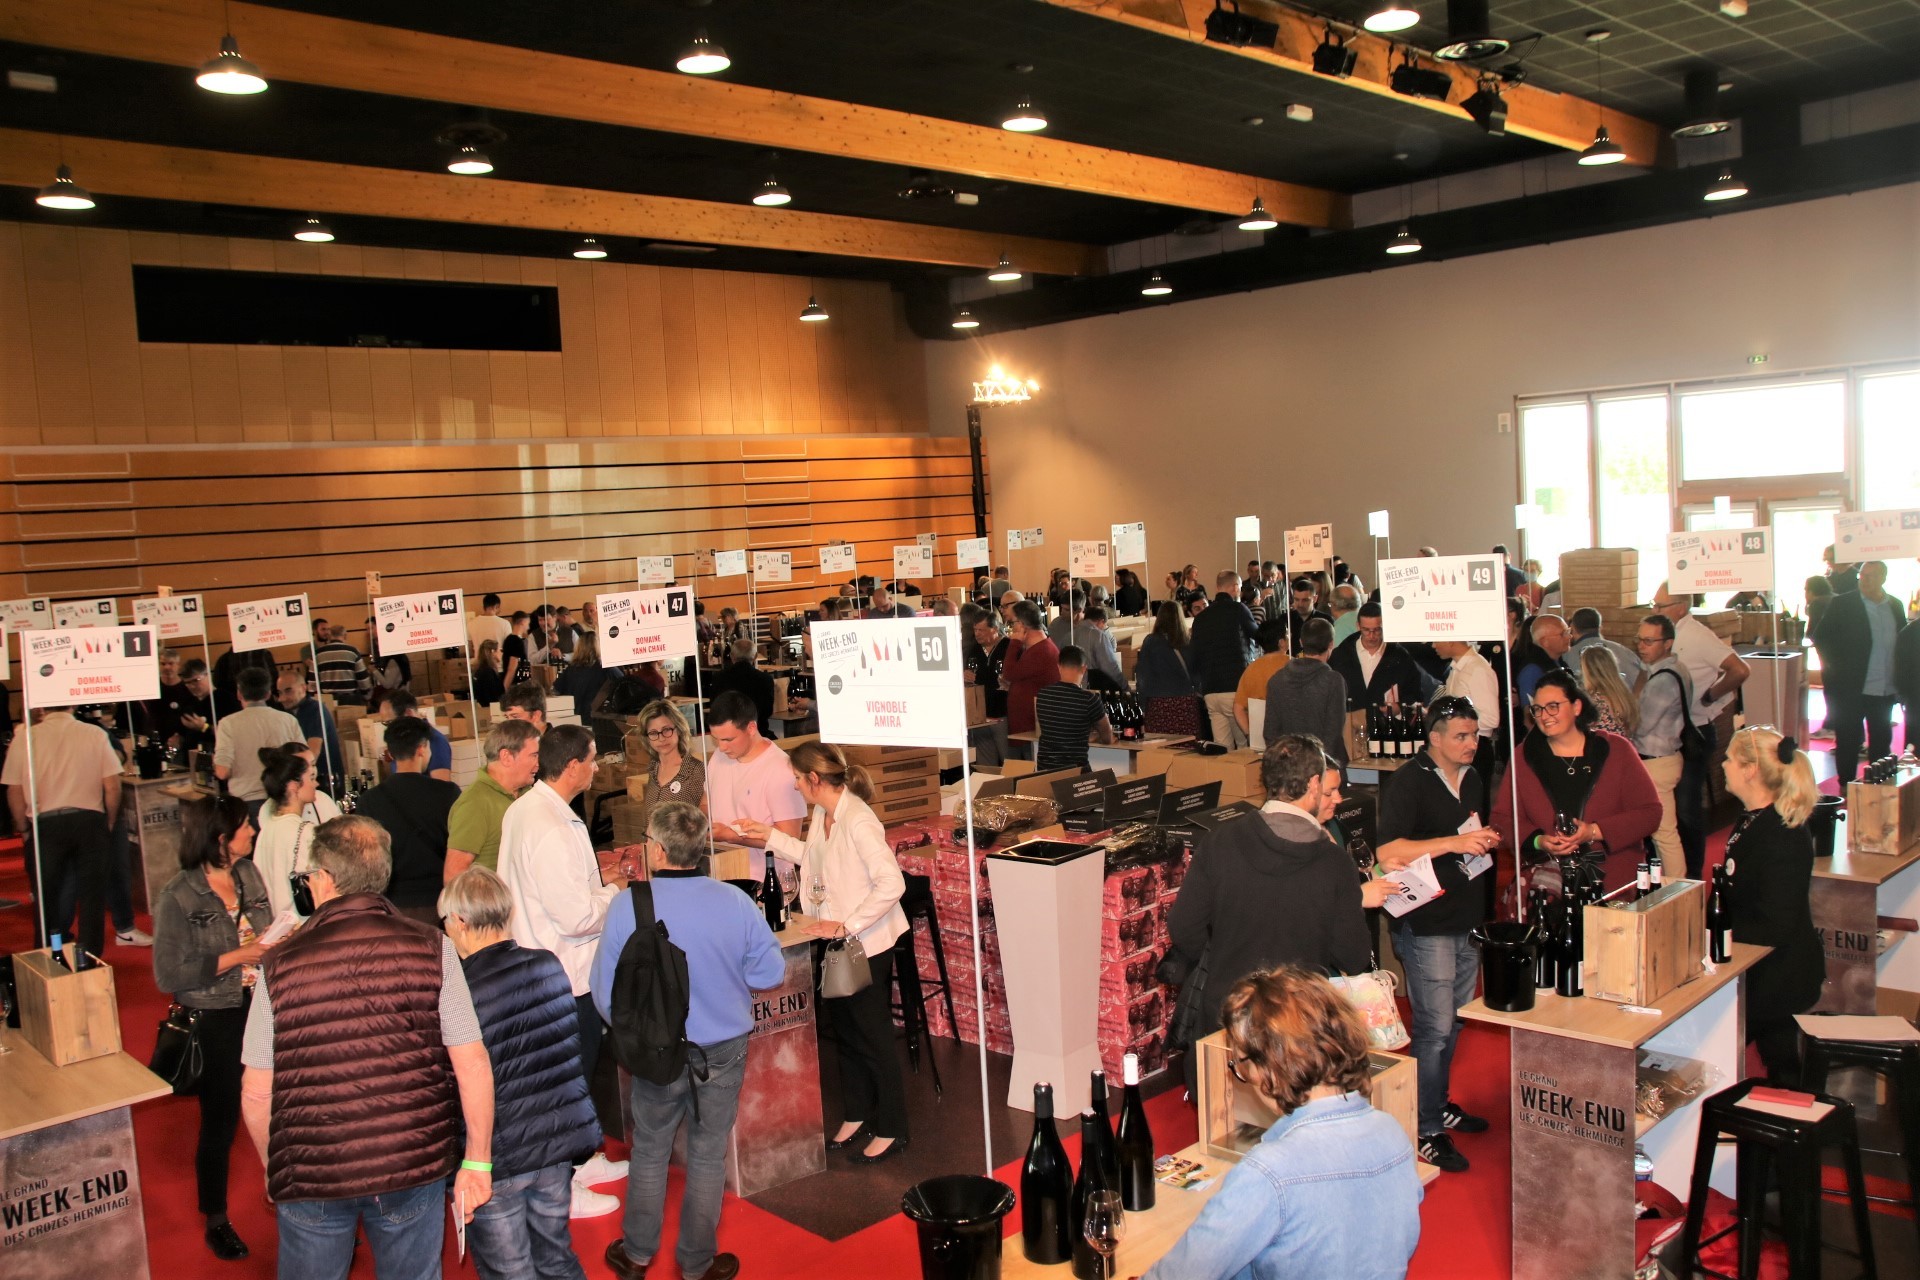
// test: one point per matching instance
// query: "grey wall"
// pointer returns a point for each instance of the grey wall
(1325, 401)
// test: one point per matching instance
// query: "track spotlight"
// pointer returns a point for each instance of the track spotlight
(1258, 219)
(1155, 287)
(1488, 109)
(1470, 35)
(313, 231)
(1726, 187)
(964, 320)
(1391, 17)
(1005, 273)
(771, 195)
(228, 72)
(704, 58)
(63, 192)
(1404, 241)
(1604, 150)
(590, 249)
(1237, 29)
(1415, 81)
(1334, 58)
(1024, 119)
(813, 312)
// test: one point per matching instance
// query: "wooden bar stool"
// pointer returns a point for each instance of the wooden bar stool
(1898, 1063)
(1792, 1146)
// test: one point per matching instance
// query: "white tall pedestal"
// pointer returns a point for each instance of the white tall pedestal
(1047, 915)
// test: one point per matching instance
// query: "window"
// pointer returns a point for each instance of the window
(1553, 444)
(1636, 508)
(1890, 461)
(1782, 430)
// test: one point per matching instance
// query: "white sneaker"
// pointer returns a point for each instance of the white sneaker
(588, 1203)
(599, 1171)
(134, 938)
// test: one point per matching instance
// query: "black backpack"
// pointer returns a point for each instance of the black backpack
(650, 996)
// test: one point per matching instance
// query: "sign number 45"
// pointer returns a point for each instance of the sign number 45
(930, 648)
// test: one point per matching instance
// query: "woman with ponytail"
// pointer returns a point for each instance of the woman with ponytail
(1769, 877)
(846, 850)
(286, 835)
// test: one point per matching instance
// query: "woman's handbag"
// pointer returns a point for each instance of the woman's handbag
(1371, 995)
(176, 1050)
(844, 970)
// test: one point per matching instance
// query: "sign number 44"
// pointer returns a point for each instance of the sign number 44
(930, 648)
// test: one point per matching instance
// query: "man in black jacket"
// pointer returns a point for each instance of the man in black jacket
(1223, 638)
(1305, 608)
(1857, 637)
(413, 807)
(1373, 668)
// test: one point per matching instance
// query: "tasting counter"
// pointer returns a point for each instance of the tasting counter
(1149, 1234)
(1117, 756)
(1852, 891)
(1571, 1078)
(153, 815)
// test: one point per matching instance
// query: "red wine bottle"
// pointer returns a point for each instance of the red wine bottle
(1719, 921)
(1109, 1151)
(1047, 1231)
(773, 898)
(1135, 1141)
(1087, 1265)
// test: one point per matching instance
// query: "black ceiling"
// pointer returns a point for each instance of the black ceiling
(1098, 81)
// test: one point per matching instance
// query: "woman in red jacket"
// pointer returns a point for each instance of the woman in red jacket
(1582, 791)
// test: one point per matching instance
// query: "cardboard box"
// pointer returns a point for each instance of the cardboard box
(1636, 952)
(976, 704)
(69, 1017)
(1884, 817)
(1238, 773)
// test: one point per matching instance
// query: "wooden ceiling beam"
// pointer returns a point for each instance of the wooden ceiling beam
(109, 168)
(312, 49)
(1558, 119)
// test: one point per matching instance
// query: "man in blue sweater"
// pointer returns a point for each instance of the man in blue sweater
(730, 953)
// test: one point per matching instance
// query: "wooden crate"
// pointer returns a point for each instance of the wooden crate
(1884, 817)
(925, 766)
(922, 804)
(915, 787)
(878, 758)
(1234, 1117)
(1601, 559)
(1636, 952)
(68, 1017)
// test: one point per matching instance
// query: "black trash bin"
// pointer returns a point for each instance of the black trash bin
(959, 1220)
(1828, 811)
(1507, 953)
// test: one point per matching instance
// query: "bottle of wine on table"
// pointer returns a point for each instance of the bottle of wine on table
(1087, 1265)
(1109, 1150)
(1135, 1141)
(1047, 1230)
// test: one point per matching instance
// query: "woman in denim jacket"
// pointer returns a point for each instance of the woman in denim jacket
(206, 952)
(1331, 1190)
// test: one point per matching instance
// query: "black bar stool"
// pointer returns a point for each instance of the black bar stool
(917, 902)
(911, 1004)
(1898, 1063)
(1793, 1146)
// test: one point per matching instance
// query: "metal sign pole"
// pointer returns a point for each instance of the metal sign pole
(1513, 779)
(979, 964)
(41, 890)
(326, 748)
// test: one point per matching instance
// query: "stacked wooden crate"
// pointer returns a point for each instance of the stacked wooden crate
(906, 780)
(1599, 578)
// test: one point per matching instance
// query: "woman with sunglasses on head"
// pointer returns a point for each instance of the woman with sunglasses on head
(206, 954)
(1769, 880)
(1583, 791)
(286, 837)
(1331, 1188)
(675, 774)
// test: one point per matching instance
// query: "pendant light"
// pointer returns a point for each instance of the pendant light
(1024, 118)
(704, 58)
(63, 192)
(313, 231)
(470, 161)
(228, 72)
(813, 312)
(590, 249)
(1404, 241)
(1603, 149)
(1258, 219)
(1005, 273)
(1155, 287)
(1726, 187)
(965, 320)
(1390, 17)
(771, 195)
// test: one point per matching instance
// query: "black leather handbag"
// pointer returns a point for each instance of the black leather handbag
(177, 1055)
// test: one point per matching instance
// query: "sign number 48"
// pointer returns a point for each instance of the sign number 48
(1753, 544)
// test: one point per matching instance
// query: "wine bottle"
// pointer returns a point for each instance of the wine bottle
(1656, 875)
(773, 898)
(1087, 1265)
(1643, 879)
(1109, 1150)
(1546, 970)
(1135, 1141)
(1375, 746)
(1047, 1230)
(1719, 923)
(1573, 960)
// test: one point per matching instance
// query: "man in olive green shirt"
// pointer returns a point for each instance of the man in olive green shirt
(473, 824)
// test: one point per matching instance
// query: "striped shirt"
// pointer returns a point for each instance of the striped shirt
(343, 672)
(1067, 715)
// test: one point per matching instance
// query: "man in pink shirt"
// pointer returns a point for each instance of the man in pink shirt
(748, 777)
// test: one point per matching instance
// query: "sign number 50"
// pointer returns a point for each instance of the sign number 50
(930, 647)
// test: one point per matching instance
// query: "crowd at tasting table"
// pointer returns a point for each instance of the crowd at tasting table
(498, 946)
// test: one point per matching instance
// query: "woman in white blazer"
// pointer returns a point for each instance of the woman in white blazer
(846, 849)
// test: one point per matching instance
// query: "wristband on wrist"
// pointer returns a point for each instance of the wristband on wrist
(478, 1166)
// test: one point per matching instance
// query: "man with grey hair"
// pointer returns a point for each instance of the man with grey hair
(1345, 603)
(363, 1065)
(512, 753)
(1586, 634)
(730, 953)
(1551, 641)
(1308, 696)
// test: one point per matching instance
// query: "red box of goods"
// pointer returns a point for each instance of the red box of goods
(1125, 1023)
(954, 908)
(999, 1029)
(1123, 980)
(1129, 934)
(1127, 891)
(1172, 873)
(1150, 1049)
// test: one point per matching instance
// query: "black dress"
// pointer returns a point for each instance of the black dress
(1770, 878)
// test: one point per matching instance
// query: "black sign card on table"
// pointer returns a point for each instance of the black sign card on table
(1083, 792)
(1179, 806)
(1135, 799)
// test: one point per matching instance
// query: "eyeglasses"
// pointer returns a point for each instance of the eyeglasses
(1550, 708)
(1233, 1068)
(668, 732)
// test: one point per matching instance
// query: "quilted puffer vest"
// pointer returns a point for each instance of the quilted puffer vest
(541, 1113)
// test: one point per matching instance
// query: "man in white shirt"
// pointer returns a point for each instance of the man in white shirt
(559, 902)
(75, 789)
(1471, 676)
(1717, 673)
(488, 624)
(238, 739)
(748, 777)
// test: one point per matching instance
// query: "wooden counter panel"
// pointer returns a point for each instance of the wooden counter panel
(35, 1094)
(1865, 868)
(1603, 1021)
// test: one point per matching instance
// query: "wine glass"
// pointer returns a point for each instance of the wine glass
(817, 892)
(1106, 1222)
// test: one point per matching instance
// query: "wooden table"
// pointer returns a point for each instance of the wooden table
(71, 1179)
(1117, 756)
(1571, 1090)
(1149, 1234)
(1850, 892)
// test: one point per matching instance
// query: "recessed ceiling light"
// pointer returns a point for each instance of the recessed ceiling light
(471, 161)
(590, 248)
(228, 72)
(771, 194)
(1603, 150)
(313, 231)
(32, 82)
(704, 58)
(1704, 116)
(1404, 241)
(813, 312)
(1155, 287)
(1596, 35)
(1390, 17)
(63, 192)
(1024, 118)
(1470, 35)
(1005, 273)
(965, 320)
(1258, 219)
(1725, 187)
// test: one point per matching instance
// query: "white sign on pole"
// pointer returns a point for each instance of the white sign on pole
(172, 617)
(1090, 559)
(560, 573)
(1722, 509)
(913, 562)
(373, 583)
(269, 624)
(646, 626)
(1524, 514)
(425, 620)
(1014, 538)
(703, 562)
(773, 566)
(971, 553)
(838, 559)
(1721, 560)
(102, 612)
(1444, 598)
(1034, 537)
(654, 568)
(1130, 543)
(34, 613)
(1246, 528)
(1868, 535)
(1377, 524)
(927, 540)
(1310, 547)
(890, 682)
(729, 564)
(89, 664)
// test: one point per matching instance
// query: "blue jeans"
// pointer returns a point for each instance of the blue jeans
(404, 1229)
(657, 1112)
(521, 1233)
(1441, 973)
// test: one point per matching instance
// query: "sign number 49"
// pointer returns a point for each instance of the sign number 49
(1480, 575)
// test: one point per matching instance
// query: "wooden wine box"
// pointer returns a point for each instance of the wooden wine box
(69, 1017)
(1884, 817)
(1636, 952)
(1234, 1117)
